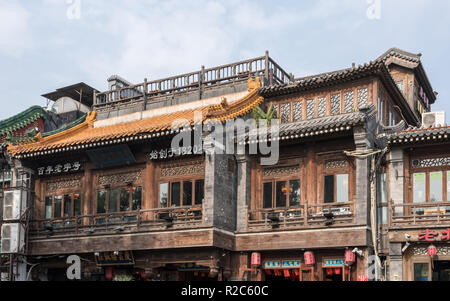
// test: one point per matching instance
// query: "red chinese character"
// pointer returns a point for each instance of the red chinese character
(428, 235)
(445, 235)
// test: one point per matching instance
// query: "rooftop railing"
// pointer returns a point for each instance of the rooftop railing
(264, 67)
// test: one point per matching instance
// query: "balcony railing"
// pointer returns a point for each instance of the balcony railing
(419, 214)
(264, 67)
(133, 221)
(306, 216)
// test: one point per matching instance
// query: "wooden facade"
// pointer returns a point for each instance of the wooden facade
(187, 215)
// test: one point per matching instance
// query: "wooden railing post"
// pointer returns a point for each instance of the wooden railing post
(305, 214)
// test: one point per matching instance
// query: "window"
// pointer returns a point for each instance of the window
(336, 188)
(67, 205)
(119, 200)
(181, 193)
(419, 187)
(281, 194)
(421, 272)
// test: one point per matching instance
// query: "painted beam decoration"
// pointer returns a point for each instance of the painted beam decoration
(59, 169)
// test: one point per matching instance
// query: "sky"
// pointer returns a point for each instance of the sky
(49, 44)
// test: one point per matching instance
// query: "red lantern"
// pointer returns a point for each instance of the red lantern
(256, 259)
(432, 251)
(309, 258)
(286, 273)
(337, 271)
(329, 271)
(350, 257)
(109, 273)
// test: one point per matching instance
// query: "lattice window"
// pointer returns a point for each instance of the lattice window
(363, 97)
(281, 171)
(335, 104)
(297, 110)
(433, 162)
(285, 112)
(349, 101)
(275, 111)
(310, 109)
(336, 164)
(321, 107)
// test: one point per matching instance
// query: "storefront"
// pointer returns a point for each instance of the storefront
(427, 262)
(317, 265)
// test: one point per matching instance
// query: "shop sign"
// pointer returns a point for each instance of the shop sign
(59, 169)
(114, 258)
(334, 262)
(192, 267)
(176, 151)
(290, 264)
(431, 235)
(363, 278)
(272, 264)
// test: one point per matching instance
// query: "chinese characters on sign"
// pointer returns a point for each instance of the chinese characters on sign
(60, 168)
(114, 258)
(431, 235)
(176, 151)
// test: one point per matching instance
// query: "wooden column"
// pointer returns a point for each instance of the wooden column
(150, 187)
(88, 199)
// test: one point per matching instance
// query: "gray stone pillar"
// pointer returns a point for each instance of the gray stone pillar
(362, 191)
(395, 262)
(244, 190)
(396, 178)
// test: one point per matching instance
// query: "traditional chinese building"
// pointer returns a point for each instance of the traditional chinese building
(112, 187)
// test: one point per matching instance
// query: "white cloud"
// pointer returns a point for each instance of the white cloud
(14, 34)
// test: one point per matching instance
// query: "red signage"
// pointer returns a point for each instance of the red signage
(363, 278)
(431, 235)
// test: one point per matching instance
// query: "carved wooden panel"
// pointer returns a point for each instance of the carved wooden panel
(281, 171)
(285, 112)
(310, 109)
(423, 251)
(174, 171)
(321, 106)
(120, 178)
(297, 110)
(363, 97)
(348, 101)
(335, 104)
(63, 184)
(431, 162)
(336, 164)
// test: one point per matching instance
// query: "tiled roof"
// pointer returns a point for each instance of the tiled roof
(22, 120)
(421, 135)
(84, 135)
(317, 127)
(396, 52)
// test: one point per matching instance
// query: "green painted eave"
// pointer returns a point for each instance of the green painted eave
(22, 120)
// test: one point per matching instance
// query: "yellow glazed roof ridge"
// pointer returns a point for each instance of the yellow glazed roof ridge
(86, 133)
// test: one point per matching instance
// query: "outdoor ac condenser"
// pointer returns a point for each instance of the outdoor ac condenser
(433, 119)
(13, 238)
(14, 204)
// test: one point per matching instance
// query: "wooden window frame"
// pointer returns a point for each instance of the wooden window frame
(118, 188)
(180, 180)
(427, 171)
(334, 172)
(62, 194)
(274, 182)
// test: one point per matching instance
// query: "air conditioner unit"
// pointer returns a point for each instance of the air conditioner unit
(14, 204)
(433, 119)
(13, 238)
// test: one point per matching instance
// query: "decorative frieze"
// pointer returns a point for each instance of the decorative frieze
(335, 104)
(285, 112)
(431, 162)
(63, 184)
(336, 164)
(310, 109)
(321, 106)
(120, 178)
(423, 251)
(348, 101)
(297, 111)
(281, 171)
(363, 97)
(184, 170)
